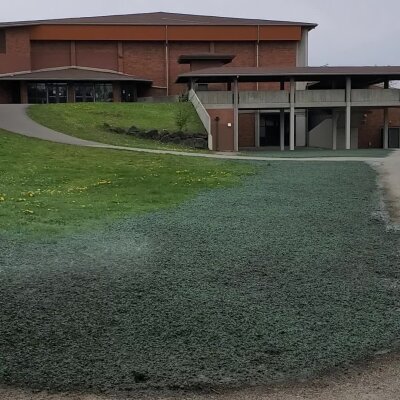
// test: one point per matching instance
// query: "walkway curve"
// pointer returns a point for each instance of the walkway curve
(14, 118)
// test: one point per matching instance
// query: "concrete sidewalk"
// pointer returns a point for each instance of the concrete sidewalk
(13, 118)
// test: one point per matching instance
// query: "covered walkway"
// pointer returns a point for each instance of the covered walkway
(302, 92)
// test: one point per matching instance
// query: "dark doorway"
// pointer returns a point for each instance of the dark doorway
(270, 131)
(128, 93)
(44, 93)
(57, 93)
(84, 93)
(394, 138)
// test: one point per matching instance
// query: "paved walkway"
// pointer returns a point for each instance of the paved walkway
(13, 118)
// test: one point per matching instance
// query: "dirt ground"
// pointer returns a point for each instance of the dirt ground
(378, 379)
(390, 178)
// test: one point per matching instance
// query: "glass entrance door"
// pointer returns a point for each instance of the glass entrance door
(57, 93)
(84, 93)
(128, 93)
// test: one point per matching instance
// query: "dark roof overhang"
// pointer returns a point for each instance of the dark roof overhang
(299, 74)
(188, 58)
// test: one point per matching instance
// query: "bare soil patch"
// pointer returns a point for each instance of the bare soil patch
(377, 379)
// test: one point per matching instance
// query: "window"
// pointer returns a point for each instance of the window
(37, 93)
(3, 41)
(84, 93)
(89, 92)
(104, 92)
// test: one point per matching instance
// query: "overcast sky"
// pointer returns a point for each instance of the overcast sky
(350, 32)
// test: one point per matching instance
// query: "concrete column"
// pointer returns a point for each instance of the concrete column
(335, 117)
(257, 129)
(386, 129)
(166, 60)
(282, 129)
(348, 113)
(236, 115)
(292, 113)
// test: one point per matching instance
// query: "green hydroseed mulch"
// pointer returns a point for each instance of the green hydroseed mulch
(309, 152)
(287, 275)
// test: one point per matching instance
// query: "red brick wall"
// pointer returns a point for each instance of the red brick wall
(370, 132)
(145, 60)
(247, 127)
(176, 49)
(275, 55)
(245, 56)
(222, 134)
(49, 54)
(17, 57)
(102, 55)
(6, 93)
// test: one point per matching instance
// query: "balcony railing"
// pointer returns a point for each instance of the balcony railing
(215, 97)
(375, 95)
(303, 98)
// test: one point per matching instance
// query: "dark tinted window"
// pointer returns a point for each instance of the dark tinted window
(3, 46)
(104, 92)
(37, 93)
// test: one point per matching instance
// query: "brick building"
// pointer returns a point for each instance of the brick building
(123, 58)
(144, 46)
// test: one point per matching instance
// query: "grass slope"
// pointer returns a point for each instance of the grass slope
(85, 120)
(284, 276)
(51, 188)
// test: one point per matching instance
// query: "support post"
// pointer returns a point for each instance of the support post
(166, 60)
(282, 129)
(257, 130)
(24, 92)
(292, 113)
(386, 129)
(236, 114)
(348, 113)
(335, 117)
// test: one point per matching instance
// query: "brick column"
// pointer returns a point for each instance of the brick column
(71, 93)
(24, 92)
(117, 92)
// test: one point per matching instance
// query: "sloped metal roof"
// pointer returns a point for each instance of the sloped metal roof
(158, 18)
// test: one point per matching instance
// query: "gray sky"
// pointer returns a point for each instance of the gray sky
(350, 32)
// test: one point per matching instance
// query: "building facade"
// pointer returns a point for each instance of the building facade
(128, 57)
(147, 46)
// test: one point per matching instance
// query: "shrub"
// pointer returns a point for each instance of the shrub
(182, 118)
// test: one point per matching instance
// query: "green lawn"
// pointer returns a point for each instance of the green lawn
(316, 153)
(85, 120)
(50, 188)
(283, 271)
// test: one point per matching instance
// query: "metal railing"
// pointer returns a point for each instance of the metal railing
(202, 113)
